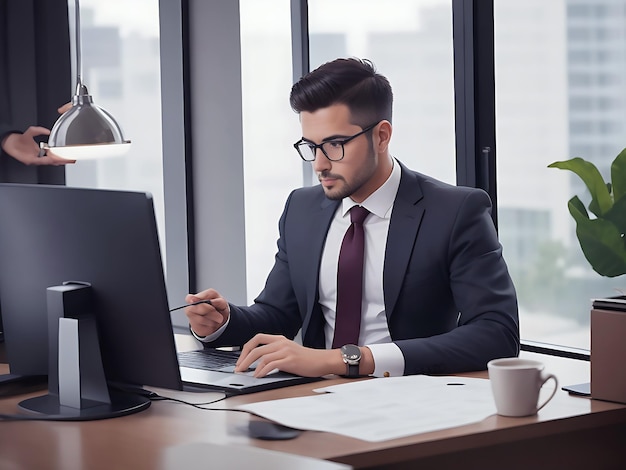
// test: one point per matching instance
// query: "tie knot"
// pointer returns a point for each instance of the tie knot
(358, 214)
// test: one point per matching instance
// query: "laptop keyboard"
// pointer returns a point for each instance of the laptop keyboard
(209, 359)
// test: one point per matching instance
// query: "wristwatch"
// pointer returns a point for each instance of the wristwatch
(351, 355)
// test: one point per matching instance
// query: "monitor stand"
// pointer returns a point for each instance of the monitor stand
(77, 386)
(121, 404)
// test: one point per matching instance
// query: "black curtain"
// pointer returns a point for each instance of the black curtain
(35, 76)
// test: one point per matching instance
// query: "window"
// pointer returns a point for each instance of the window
(423, 89)
(535, 126)
(119, 52)
(578, 34)
(272, 168)
(411, 44)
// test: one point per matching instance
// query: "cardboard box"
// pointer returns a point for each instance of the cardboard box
(608, 355)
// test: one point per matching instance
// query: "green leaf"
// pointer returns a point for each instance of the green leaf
(618, 175)
(601, 200)
(617, 215)
(600, 240)
(577, 208)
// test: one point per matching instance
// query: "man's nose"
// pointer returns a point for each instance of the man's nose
(320, 163)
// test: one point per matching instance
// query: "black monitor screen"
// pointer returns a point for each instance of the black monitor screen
(53, 234)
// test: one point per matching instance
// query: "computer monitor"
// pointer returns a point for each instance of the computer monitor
(50, 235)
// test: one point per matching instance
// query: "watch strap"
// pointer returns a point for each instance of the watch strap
(352, 370)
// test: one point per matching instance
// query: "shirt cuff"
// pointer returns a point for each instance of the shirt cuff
(388, 360)
(213, 336)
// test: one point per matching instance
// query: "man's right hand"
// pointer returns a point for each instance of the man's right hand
(206, 319)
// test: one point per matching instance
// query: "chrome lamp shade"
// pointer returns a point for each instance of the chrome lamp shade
(86, 131)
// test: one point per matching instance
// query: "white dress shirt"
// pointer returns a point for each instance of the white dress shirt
(388, 358)
(374, 334)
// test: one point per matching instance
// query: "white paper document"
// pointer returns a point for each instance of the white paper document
(385, 408)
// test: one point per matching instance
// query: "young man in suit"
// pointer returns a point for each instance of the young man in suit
(436, 294)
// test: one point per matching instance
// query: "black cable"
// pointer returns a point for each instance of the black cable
(153, 396)
(200, 406)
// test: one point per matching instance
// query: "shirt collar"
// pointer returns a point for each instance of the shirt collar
(380, 202)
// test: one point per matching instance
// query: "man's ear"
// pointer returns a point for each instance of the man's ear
(382, 135)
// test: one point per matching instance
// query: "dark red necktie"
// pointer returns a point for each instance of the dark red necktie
(350, 281)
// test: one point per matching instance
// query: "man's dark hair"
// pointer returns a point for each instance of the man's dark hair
(353, 82)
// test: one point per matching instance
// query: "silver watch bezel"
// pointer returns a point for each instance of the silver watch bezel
(351, 356)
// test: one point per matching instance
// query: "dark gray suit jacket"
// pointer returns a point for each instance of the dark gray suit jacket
(450, 303)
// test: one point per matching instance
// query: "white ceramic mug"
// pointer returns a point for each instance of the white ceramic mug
(516, 383)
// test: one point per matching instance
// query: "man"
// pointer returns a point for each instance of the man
(436, 294)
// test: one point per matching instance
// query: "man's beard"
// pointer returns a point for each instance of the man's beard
(360, 178)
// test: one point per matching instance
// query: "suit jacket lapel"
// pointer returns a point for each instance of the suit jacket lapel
(318, 225)
(406, 218)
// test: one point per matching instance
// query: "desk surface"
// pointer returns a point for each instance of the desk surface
(570, 432)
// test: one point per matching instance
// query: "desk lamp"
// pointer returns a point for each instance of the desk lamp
(86, 131)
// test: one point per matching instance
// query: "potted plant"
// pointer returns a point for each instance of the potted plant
(603, 243)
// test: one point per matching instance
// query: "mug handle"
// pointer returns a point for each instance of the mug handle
(544, 379)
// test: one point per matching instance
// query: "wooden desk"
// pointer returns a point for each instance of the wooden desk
(570, 432)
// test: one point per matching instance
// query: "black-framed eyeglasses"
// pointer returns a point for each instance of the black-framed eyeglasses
(332, 149)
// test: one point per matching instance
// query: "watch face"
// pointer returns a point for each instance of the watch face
(351, 353)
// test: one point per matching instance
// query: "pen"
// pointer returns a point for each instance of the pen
(192, 303)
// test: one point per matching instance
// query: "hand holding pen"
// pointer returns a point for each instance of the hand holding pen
(207, 311)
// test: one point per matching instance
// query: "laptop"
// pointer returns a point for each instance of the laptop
(51, 235)
(214, 369)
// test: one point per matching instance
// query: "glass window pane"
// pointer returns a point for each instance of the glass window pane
(121, 69)
(272, 167)
(423, 120)
(410, 42)
(559, 93)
